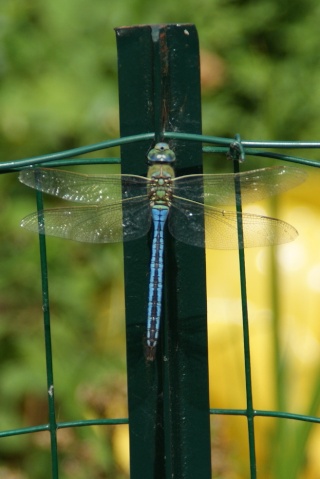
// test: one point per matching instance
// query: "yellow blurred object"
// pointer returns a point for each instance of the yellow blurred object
(121, 447)
(298, 279)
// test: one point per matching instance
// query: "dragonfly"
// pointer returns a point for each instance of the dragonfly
(118, 208)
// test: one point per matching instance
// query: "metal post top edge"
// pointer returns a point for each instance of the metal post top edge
(123, 30)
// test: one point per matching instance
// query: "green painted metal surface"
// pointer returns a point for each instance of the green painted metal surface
(159, 89)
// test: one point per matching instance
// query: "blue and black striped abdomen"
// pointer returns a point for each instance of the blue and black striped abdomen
(159, 217)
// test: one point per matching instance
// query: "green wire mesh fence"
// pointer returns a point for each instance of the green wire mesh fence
(237, 149)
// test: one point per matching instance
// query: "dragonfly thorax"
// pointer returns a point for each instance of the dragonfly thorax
(160, 187)
(161, 175)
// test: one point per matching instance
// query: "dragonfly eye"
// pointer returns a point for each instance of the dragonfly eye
(161, 153)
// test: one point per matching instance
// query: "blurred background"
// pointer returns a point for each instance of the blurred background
(260, 71)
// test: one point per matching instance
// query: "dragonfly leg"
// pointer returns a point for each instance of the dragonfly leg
(159, 216)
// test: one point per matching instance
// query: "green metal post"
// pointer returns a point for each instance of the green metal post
(159, 90)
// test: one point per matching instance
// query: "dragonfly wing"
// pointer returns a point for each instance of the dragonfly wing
(120, 221)
(92, 189)
(219, 190)
(212, 228)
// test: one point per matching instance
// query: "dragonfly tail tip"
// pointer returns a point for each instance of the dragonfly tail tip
(150, 353)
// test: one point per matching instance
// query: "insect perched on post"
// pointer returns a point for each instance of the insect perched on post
(123, 208)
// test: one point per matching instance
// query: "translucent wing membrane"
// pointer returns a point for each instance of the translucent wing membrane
(120, 208)
(92, 189)
(209, 227)
(121, 221)
(219, 190)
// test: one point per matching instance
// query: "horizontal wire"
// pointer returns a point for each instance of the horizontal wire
(66, 158)
(263, 413)
(61, 425)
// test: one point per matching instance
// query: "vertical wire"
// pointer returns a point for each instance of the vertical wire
(47, 338)
(245, 325)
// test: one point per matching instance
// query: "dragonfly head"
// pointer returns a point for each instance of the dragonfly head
(161, 153)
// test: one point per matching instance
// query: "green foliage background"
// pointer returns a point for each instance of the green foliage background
(58, 77)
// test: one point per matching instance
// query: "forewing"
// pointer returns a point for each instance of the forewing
(212, 228)
(219, 190)
(91, 189)
(119, 221)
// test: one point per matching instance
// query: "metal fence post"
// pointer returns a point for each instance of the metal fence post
(159, 90)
